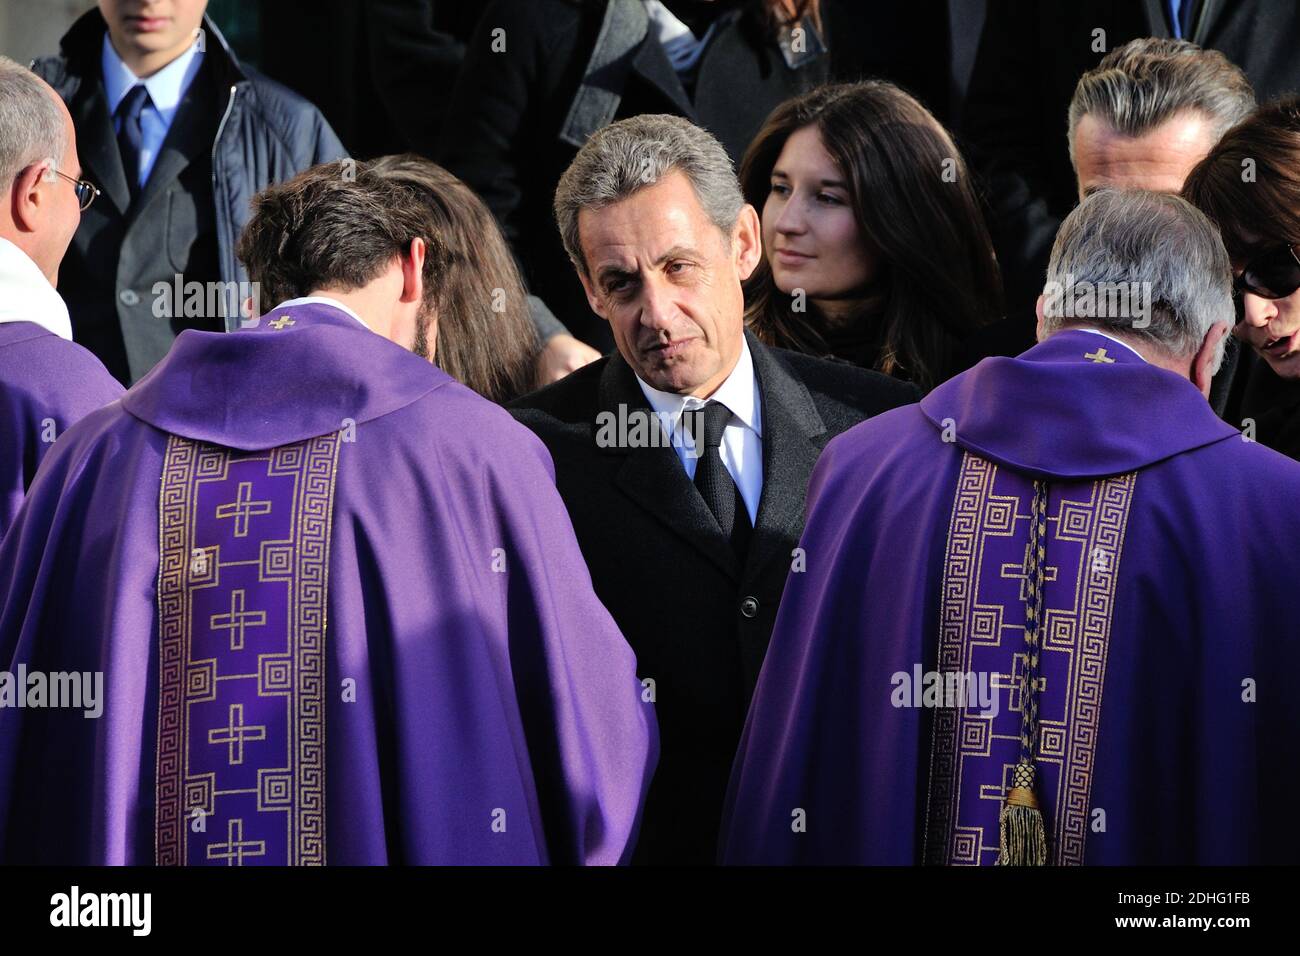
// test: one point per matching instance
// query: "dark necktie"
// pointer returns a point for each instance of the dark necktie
(129, 135)
(714, 482)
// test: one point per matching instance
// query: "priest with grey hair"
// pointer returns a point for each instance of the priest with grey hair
(1047, 618)
(47, 383)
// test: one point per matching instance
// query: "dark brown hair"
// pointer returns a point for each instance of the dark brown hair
(914, 204)
(1249, 184)
(486, 338)
(336, 225)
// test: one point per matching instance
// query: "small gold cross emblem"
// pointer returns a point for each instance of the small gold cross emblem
(1098, 356)
(243, 508)
(280, 323)
(238, 620)
(235, 734)
(236, 847)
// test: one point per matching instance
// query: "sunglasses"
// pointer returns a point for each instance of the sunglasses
(86, 192)
(1272, 275)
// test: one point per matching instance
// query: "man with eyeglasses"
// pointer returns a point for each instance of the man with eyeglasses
(1249, 185)
(47, 382)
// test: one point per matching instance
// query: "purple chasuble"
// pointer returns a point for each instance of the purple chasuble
(339, 614)
(47, 384)
(895, 701)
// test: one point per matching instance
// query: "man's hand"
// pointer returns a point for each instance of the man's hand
(561, 355)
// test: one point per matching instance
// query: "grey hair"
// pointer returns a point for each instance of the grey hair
(1155, 249)
(634, 153)
(1142, 84)
(31, 124)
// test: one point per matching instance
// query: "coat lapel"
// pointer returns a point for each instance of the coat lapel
(651, 64)
(655, 480)
(190, 137)
(792, 431)
(1157, 23)
(97, 144)
(1205, 21)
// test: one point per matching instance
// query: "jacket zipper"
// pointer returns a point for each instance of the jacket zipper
(216, 143)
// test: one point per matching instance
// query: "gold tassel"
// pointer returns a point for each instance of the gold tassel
(1022, 837)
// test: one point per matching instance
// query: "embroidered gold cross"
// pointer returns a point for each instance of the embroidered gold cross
(234, 735)
(238, 619)
(1099, 356)
(236, 847)
(243, 508)
(280, 323)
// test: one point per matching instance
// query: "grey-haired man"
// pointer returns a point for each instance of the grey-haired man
(47, 383)
(684, 458)
(1048, 622)
(1150, 111)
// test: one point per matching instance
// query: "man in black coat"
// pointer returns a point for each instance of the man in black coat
(178, 165)
(540, 76)
(684, 458)
(1030, 59)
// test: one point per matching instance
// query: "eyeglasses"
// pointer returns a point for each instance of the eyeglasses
(1273, 275)
(86, 192)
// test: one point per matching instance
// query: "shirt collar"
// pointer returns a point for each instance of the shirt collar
(27, 296)
(679, 42)
(319, 300)
(739, 392)
(1081, 328)
(166, 87)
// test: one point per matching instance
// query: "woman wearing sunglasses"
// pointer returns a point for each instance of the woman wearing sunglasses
(1249, 185)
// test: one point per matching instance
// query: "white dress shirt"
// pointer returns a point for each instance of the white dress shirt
(684, 49)
(27, 296)
(166, 89)
(742, 439)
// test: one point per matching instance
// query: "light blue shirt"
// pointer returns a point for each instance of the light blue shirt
(1176, 18)
(166, 89)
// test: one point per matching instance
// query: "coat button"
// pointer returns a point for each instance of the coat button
(749, 607)
(129, 297)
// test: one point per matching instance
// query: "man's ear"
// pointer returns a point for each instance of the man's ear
(747, 242)
(413, 272)
(1203, 363)
(1038, 311)
(25, 199)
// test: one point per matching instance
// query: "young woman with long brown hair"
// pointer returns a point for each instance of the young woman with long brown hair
(876, 251)
(485, 337)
